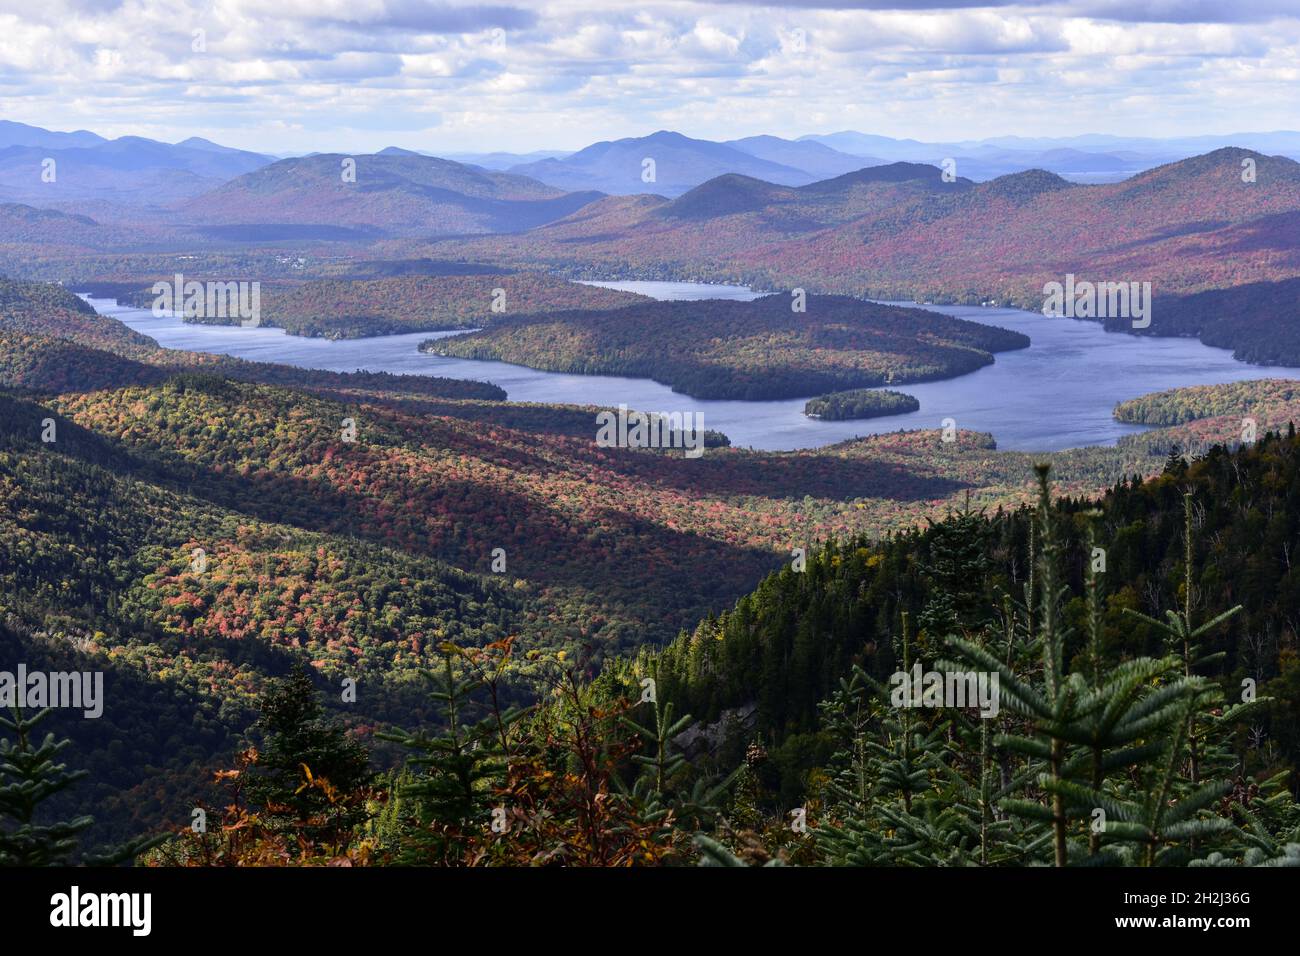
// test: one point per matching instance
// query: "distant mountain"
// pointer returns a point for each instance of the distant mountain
(198, 142)
(925, 177)
(131, 169)
(683, 163)
(1285, 142)
(394, 193)
(679, 163)
(1182, 227)
(982, 161)
(20, 134)
(1063, 161)
(1088, 158)
(703, 233)
(814, 206)
(135, 152)
(725, 196)
(504, 161)
(867, 144)
(498, 161)
(817, 159)
(1023, 187)
(901, 232)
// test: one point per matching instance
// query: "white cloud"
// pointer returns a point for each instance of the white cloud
(527, 74)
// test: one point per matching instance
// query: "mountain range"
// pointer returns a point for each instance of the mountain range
(894, 230)
(52, 169)
(395, 192)
(669, 164)
(133, 170)
(615, 167)
(902, 232)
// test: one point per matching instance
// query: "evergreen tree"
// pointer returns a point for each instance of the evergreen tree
(1090, 729)
(1090, 760)
(453, 773)
(661, 789)
(956, 569)
(309, 778)
(29, 776)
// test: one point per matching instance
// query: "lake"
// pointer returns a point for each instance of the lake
(1058, 393)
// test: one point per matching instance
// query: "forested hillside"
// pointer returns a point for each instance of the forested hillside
(1184, 633)
(1258, 321)
(791, 644)
(1200, 416)
(350, 308)
(99, 564)
(1272, 401)
(763, 349)
(198, 528)
(377, 195)
(1218, 246)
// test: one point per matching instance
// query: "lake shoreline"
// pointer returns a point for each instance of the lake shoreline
(1058, 393)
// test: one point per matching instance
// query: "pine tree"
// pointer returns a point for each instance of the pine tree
(453, 773)
(664, 762)
(893, 806)
(1183, 638)
(660, 791)
(309, 778)
(956, 569)
(29, 776)
(1096, 726)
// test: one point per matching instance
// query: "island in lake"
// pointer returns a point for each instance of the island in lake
(860, 403)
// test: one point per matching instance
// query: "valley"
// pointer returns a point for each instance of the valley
(1074, 368)
(397, 468)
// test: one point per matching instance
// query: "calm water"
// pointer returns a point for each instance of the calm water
(1058, 393)
(681, 291)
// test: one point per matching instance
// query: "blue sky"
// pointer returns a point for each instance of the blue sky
(357, 75)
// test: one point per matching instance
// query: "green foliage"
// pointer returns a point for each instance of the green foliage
(310, 775)
(718, 349)
(1176, 406)
(352, 307)
(786, 646)
(29, 776)
(860, 403)
(451, 773)
(1098, 763)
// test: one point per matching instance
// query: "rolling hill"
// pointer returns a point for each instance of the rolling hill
(21, 134)
(23, 224)
(702, 231)
(814, 158)
(394, 193)
(899, 232)
(718, 349)
(679, 163)
(354, 307)
(1087, 158)
(131, 169)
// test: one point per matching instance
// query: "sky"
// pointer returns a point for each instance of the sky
(286, 76)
